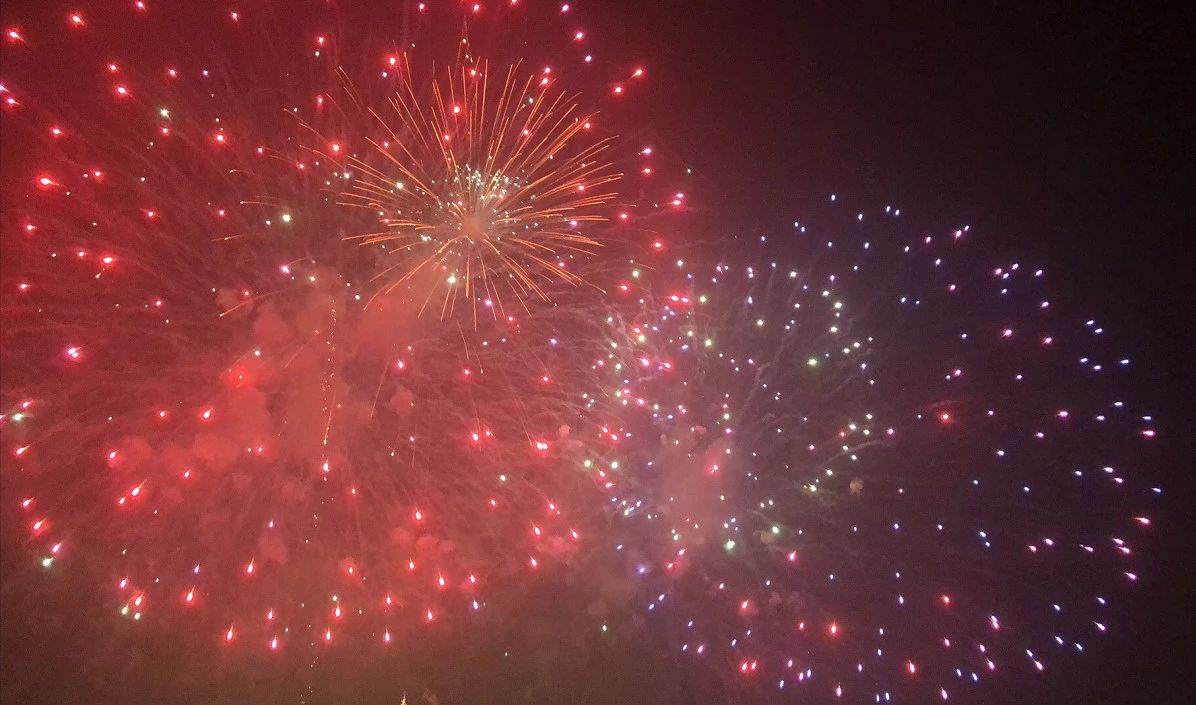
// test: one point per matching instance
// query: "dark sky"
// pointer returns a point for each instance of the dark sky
(1065, 128)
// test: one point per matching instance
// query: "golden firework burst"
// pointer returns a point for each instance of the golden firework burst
(481, 192)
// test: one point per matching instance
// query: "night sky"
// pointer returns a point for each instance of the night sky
(1062, 133)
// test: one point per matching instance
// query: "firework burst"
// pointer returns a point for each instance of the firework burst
(332, 358)
(247, 443)
(883, 459)
(483, 187)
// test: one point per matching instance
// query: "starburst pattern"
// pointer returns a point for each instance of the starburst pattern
(486, 185)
